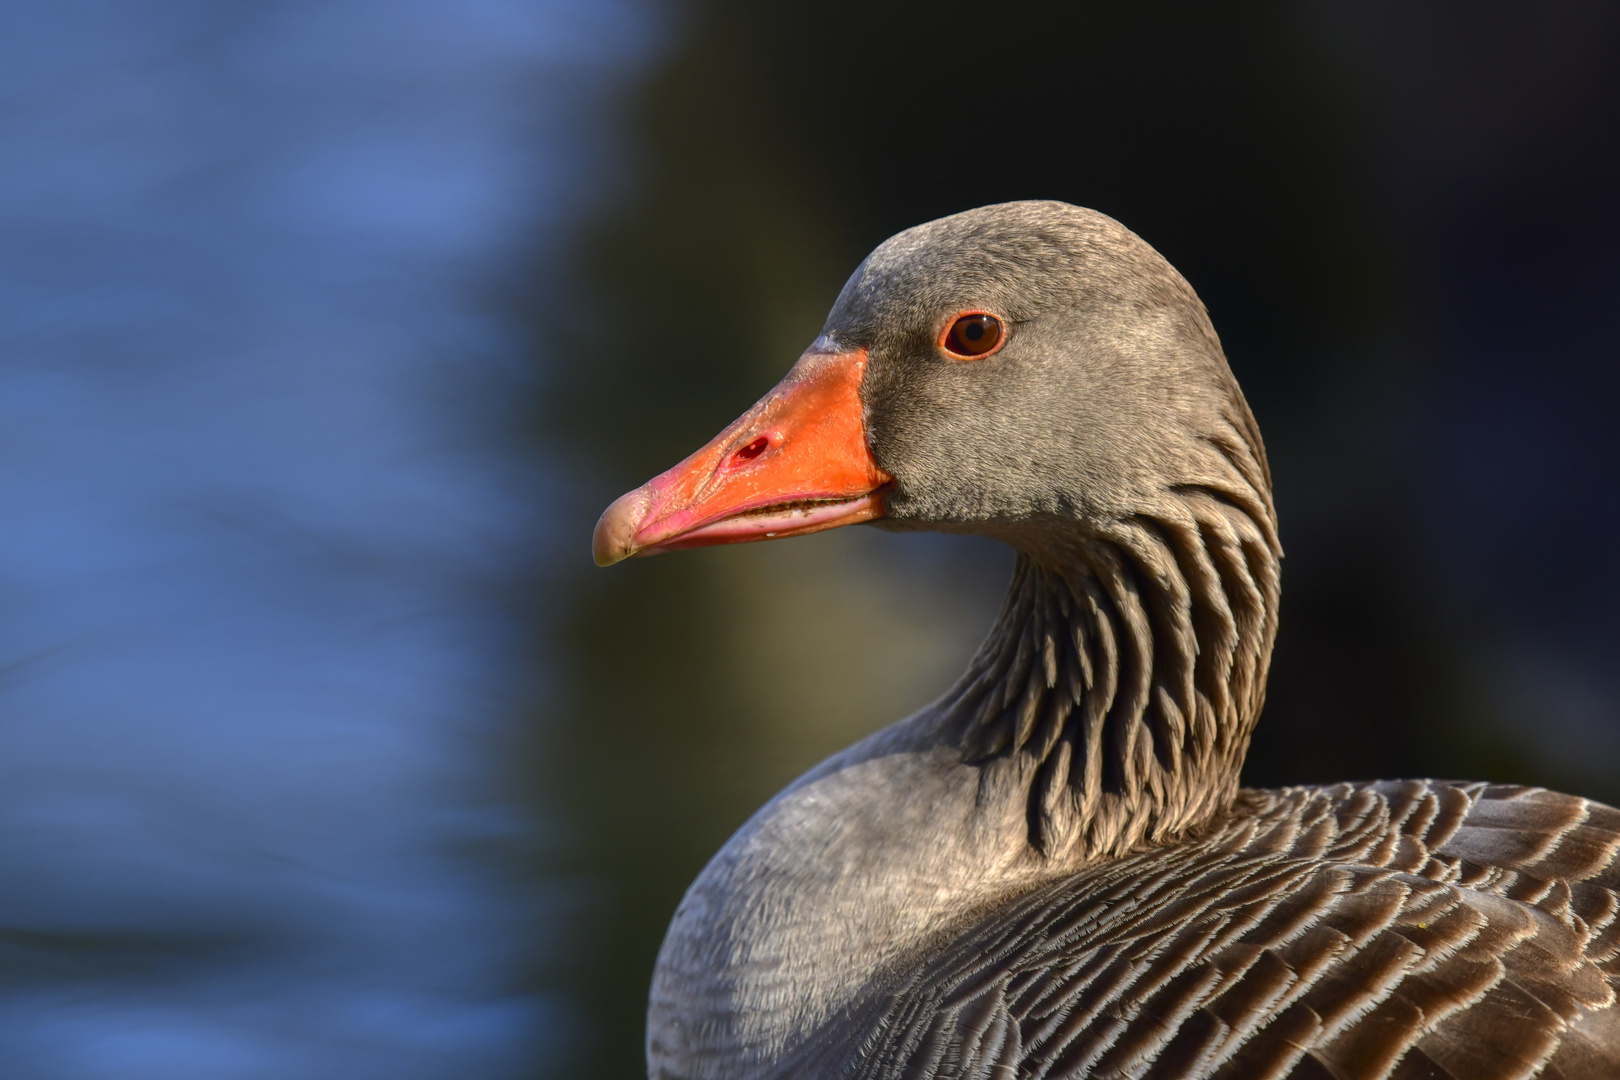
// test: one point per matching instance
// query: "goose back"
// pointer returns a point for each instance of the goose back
(1359, 932)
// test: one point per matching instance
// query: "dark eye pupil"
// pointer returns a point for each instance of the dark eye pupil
(974, 335)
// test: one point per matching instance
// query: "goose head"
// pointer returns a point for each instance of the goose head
(1020, 370)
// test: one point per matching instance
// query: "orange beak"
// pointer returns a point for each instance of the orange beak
(795, 463)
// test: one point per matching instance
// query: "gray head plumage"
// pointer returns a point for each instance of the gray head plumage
(1111, 386)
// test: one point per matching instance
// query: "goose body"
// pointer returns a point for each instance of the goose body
(1051, 872)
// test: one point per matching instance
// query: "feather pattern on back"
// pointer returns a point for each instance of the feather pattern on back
(1360, 932)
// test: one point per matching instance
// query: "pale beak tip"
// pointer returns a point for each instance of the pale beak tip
(605, 556)
(614, 538)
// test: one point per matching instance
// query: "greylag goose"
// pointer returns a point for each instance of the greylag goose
(1051, 871)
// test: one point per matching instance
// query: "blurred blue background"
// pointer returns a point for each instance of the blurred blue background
(262, 525)
(326, 330)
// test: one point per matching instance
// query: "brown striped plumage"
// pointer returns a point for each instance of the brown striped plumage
(1404, 929)
(1050, 873)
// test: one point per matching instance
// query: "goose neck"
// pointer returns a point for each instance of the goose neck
(1125, 674)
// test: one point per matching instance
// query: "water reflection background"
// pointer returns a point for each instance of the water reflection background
(328, 328)
(262, 530)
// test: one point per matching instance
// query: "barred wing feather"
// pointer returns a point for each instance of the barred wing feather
(1392, 930)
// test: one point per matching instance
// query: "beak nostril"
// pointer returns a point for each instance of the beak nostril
(752, 450)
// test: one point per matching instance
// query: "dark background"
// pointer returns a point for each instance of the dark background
(1403, 219)
(328, 327)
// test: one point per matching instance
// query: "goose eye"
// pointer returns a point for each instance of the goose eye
(973, 335)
